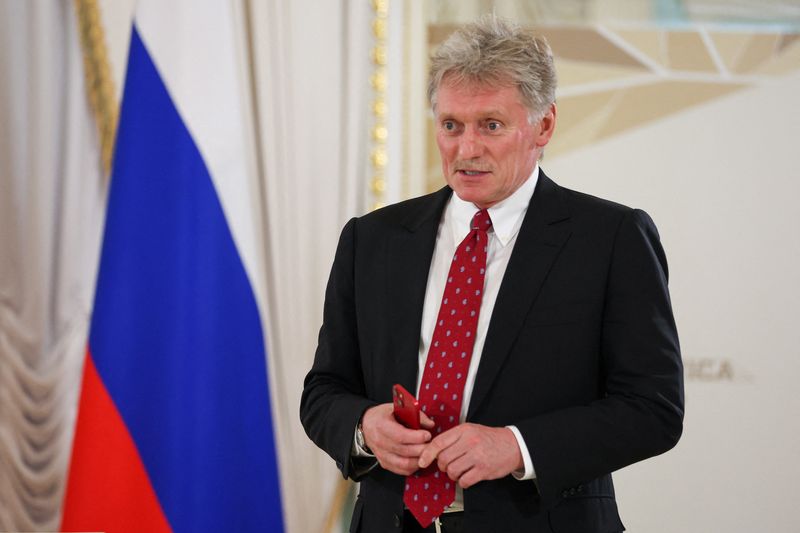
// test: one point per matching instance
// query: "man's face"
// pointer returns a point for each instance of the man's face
(487, 145)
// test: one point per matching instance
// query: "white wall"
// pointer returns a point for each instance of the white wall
(721, 183)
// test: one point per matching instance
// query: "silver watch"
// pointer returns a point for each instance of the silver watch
(360, 440)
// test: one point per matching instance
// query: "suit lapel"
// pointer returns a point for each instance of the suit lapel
(544, 232)
(409, 260)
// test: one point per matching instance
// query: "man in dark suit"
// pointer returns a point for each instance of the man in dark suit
(571, 365)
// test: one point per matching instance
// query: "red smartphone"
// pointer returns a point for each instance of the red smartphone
(406, 407)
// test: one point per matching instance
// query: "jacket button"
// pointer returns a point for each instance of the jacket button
(565, 494)
(339, 465)
(396, 521)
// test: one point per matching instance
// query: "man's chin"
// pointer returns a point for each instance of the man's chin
(473, 196)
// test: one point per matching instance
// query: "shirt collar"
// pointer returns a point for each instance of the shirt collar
(506, 215)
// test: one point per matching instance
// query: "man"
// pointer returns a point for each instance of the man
(533, 322)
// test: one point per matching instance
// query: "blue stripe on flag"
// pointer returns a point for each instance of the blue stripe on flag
(176, 333)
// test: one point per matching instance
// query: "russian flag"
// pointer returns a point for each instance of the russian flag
(174, 431)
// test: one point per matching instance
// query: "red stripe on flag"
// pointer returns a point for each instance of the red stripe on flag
(108, 488)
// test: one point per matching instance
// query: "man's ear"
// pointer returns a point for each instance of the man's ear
(546, 127)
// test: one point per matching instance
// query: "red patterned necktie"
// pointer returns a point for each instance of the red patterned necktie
(428, 492)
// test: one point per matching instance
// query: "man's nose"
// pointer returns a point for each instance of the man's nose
(469, 144)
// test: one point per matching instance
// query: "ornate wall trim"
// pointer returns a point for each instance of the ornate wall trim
(99, 81)
(378, 108)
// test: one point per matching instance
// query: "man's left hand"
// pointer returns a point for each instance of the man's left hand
(470, 453)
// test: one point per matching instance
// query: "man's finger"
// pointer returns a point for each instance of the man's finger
(412, 451)
(458, 467)
(426, 421)
(402, 435)
(442, 442)
(403, 466)
(455, 453)
(469, 478)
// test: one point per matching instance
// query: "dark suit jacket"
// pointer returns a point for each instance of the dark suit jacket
(581, 355)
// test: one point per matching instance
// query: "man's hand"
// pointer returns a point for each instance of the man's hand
(470, 453)
(396, 447)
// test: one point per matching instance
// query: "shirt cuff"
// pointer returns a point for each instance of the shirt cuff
(528, 472)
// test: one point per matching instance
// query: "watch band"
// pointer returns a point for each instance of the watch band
(360, 440)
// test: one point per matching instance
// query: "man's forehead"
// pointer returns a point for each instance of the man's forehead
(488, 98)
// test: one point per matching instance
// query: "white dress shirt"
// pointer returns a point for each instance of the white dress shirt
(507, 217)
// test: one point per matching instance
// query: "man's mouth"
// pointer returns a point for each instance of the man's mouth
(472, 172)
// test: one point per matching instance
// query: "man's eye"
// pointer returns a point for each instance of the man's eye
(448, 125)
(493, 126)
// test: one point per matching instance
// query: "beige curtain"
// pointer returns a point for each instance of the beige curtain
(309, 66)
(311, 84)
(51, 207)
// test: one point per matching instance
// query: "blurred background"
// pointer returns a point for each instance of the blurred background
(688, 109)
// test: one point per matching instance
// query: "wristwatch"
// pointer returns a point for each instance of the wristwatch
(360, 440)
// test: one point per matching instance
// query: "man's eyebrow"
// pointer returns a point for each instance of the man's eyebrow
(491, 113)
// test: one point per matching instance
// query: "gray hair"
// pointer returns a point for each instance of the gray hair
(498, 52)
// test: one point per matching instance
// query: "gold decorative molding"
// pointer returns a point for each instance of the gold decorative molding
(378, 81)
(97, 72)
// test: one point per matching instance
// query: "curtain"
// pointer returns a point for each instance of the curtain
(309, 67)
(51, 206)
(311, 83)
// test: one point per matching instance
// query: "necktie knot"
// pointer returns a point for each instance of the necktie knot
(481, 221)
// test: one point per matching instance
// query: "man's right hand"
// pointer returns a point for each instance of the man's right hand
(396, 447)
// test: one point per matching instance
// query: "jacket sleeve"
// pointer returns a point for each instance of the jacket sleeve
(333, 398)
(641, 411)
